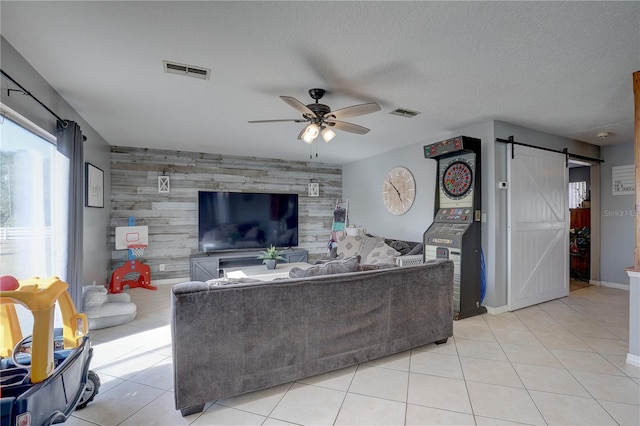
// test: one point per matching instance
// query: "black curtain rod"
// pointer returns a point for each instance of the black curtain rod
(26, 92)
(565, 151)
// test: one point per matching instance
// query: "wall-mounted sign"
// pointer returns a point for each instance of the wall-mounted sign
(623, 180)
(314, 189)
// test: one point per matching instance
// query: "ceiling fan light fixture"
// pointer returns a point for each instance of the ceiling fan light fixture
(310, 133)
(322, 120)
(327, 134)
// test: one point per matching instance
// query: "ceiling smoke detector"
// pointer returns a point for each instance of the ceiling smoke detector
(403, 112)
(187, 70)
(603, 135)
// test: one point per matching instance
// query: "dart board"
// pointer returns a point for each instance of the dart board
(457, 179)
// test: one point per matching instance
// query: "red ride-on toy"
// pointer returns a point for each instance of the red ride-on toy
(43, 377)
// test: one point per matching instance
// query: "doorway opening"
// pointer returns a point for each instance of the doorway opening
(581, 227)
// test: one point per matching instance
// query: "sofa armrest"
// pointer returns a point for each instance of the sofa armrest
(190, 287)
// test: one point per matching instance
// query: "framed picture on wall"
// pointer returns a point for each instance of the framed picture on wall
(94, 186)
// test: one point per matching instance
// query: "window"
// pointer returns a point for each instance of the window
(577, 194)
(33, 204)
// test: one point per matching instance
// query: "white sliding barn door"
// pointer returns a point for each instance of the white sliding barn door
(538, 227)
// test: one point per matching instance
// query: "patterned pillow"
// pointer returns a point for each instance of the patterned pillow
(349, 246)
(340, 266)
(382, 253)
(368, 245)
(356, 245)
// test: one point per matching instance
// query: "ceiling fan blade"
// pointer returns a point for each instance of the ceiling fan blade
(298, 105)
(355, 110)
(295, 120)
(348, 127)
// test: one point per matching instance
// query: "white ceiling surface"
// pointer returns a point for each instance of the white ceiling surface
(564, 68)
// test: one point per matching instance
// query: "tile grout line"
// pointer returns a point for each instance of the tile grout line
(572, 375)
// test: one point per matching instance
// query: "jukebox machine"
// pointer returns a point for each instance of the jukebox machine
(456, 229)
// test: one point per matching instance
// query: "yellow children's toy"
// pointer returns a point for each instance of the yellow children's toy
(35, 366)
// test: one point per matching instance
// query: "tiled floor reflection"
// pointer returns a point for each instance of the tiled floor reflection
(558, 363)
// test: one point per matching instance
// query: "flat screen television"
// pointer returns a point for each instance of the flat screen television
(242, 220)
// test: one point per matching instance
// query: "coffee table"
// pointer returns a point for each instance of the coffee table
(261, 272)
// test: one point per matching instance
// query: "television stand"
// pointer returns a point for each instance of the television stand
(211, 265)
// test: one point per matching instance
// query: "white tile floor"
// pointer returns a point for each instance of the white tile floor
(558, 363)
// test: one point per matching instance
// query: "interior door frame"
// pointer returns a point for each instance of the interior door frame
(595, 214)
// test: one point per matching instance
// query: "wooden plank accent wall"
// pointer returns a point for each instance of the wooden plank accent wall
(172, 217)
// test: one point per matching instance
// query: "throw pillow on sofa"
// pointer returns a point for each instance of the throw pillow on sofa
(417, 249)
(340, 266)
(382, 253)
(349, 246)
(402, 246)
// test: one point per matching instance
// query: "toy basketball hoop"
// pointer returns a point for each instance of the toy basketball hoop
(136, 250)
(133, 273)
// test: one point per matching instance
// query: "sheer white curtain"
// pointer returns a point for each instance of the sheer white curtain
(33, 203)
(34, 188)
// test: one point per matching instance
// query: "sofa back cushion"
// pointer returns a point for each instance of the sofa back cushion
(339, 266)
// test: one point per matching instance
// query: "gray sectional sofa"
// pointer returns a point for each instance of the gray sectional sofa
(243, 337)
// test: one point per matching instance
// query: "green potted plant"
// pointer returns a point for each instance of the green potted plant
(270, 257)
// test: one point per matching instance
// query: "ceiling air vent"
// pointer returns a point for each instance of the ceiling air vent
(403, 112)
(188, 70)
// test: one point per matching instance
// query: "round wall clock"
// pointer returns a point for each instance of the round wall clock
(398, 190)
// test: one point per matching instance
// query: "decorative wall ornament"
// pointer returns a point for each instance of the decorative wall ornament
(164, 184)
(314, 189)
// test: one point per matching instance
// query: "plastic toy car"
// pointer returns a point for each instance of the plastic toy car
(43, 377)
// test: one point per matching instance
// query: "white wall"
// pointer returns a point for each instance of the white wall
(617, 221)
(97, 254)
(362, 186)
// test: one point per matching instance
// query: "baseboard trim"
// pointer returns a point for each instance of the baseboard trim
(633, 360)
(610, 285)
(170, 281)
(498, 310)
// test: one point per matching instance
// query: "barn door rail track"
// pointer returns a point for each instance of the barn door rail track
(564, 151)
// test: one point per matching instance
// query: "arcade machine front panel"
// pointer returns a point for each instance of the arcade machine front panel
(456, 230)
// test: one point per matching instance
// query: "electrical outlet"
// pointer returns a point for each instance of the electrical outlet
(161, 267)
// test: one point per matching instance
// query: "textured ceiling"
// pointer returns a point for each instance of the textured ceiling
(560, 67)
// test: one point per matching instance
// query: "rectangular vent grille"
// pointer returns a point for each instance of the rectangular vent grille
(188, 70)
(403, 112)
